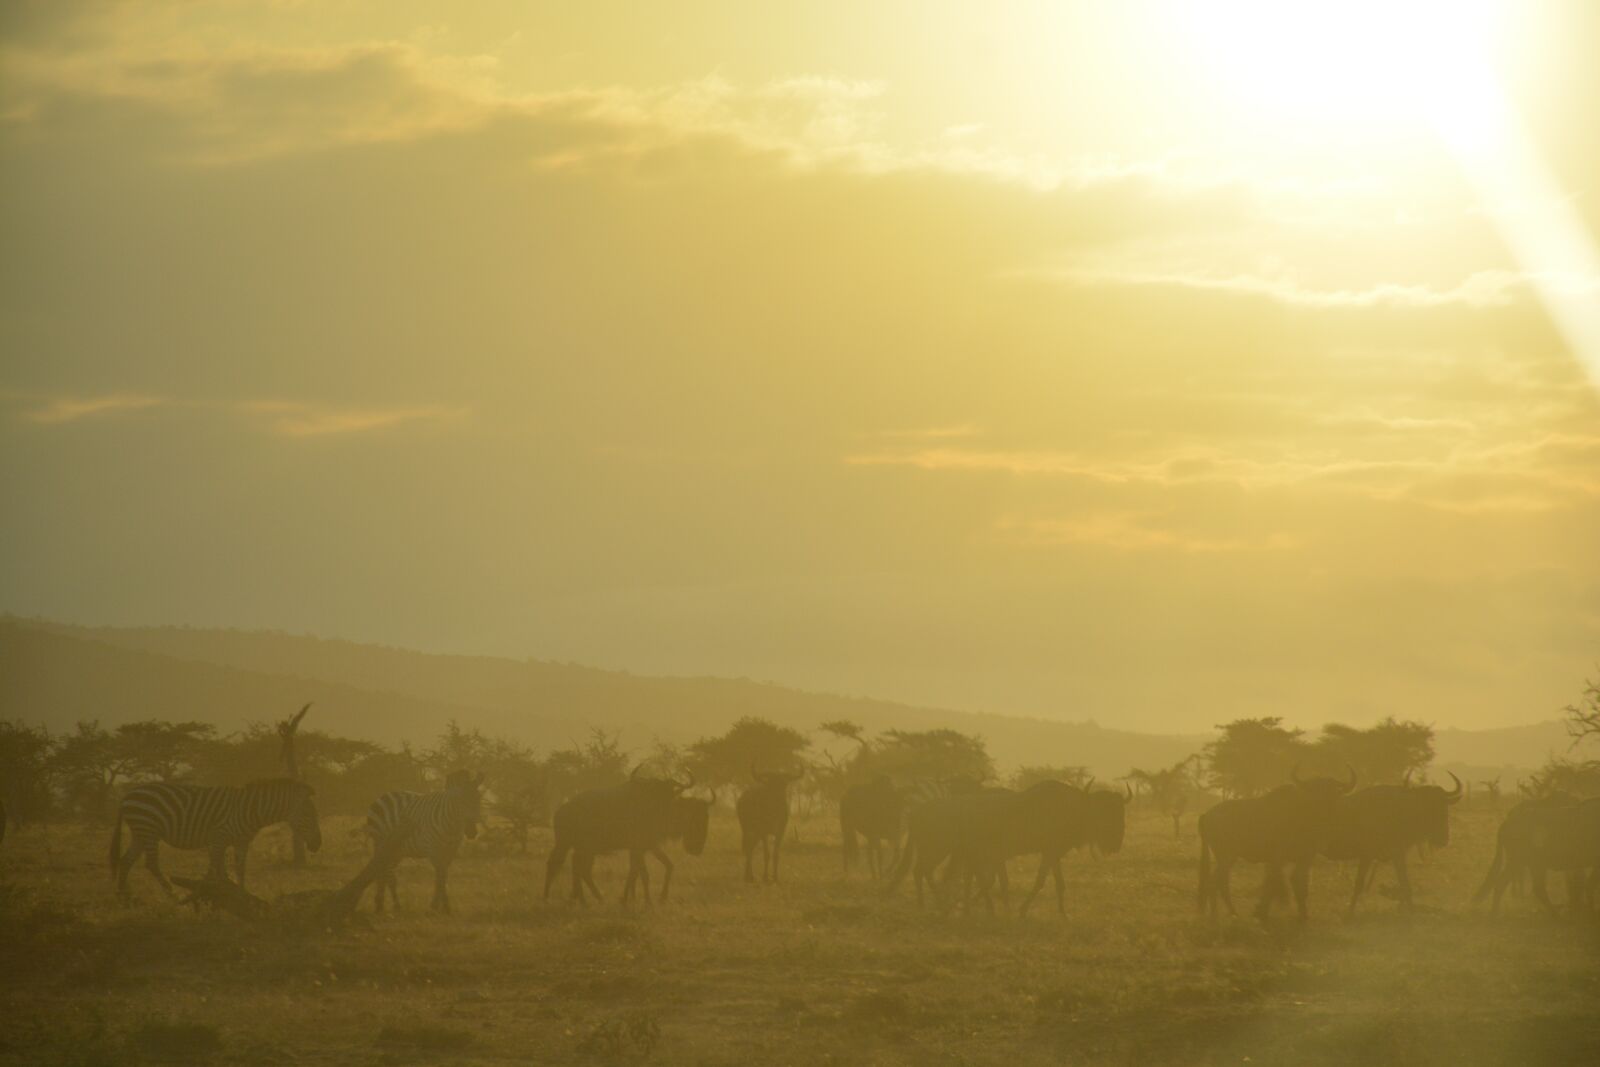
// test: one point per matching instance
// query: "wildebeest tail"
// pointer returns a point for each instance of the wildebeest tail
(116, 843)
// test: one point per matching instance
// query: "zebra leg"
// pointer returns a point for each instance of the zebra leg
(241, 850)
(218, 871)
(441, 898)
(153, 864)
(124, 865)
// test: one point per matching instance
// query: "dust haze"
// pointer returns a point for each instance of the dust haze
(719, 533)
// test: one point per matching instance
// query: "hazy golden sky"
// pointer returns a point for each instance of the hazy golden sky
(1087, 360)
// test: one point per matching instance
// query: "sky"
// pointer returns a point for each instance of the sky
(1144, 362)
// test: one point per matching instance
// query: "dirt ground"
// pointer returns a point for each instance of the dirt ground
(821, 969)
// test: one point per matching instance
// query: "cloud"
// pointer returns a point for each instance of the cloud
(1483, 289)
(1130, 532)
(72, 409)
(307, 420)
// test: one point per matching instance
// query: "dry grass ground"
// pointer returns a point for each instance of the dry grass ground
(818, 970)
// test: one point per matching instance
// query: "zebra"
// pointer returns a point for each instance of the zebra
(438, 822)
(211, 817)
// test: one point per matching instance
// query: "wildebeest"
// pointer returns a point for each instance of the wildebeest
(1287, 825)
(874, 811)
(1380, 824)
(932, 836)
(763, 811)
(978, 831)
(1554, 831)
(428, 826)
(638, 816)
(1048, 819)
(212, 817)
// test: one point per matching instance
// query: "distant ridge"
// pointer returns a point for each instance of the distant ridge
(57, 674)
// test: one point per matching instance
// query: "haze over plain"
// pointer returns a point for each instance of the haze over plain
(1013, 363)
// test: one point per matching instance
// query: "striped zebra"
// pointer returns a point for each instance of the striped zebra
(435, 824)
(211, 817)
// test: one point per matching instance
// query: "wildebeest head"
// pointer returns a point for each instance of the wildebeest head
(1108, 819)
(1431, 804)
(691, 820)
(303, 819)
(467, 788)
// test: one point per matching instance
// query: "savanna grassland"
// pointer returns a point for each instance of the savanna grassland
(819, 969)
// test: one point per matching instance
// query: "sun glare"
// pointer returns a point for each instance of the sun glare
(1356, 62)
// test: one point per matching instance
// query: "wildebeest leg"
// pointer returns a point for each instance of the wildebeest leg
(1223, 886)
(1038, 884)
(1271, 889)
(552, 866)
(1402, 878)
(1541, 890)
(777, 850)
(766, 859)
(749, 845)
(1302, 889)
(666, 876)
(1362, 873)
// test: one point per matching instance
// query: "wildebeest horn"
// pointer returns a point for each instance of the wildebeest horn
(1459, 790)
(636, 771)
(1352, 786)
(1407, 779)
(684, 787)
(1129, 787)
(713, 800)
(1089, 784)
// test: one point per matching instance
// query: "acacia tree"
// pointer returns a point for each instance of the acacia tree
(1253, 755)
(1388, 752)
(930, 755)
(25, 770)
(750, 743)
(1583, 718)
(89, 763)
(1172, 789)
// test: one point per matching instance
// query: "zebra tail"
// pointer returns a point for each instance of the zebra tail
(116, 843)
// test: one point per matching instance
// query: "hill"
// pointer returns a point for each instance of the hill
(57, 674)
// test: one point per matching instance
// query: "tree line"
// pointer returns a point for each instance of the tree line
(81, 773)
